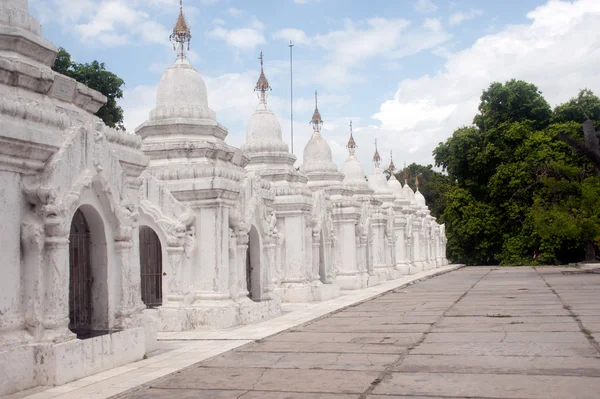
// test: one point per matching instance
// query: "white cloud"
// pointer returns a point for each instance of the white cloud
(425, 6)
(557, 51)
(234, 12)
(390, 39)
(297, 36)
(461, 16)
(241, 38)
(433, 24)
(109, 22)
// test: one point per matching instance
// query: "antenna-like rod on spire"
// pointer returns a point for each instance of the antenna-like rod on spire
(316, 120)
(291, 99)
(351, 143)
(405, 174)
(181, 34)
(392, 166)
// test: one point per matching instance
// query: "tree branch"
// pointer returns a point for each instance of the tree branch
(589, 153)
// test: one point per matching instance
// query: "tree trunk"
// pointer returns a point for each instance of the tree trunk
(590, 252)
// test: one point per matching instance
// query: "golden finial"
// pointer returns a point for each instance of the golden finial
(316, 120)
(392, 166)
(351, 143)
(262, 86)
(376, 157)
(181, 33)
(417, 181)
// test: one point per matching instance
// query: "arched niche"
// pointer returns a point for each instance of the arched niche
(253, 265)
(322, 261)
(151, 266)
(88, 274)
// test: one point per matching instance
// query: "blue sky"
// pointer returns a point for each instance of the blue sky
(407, 72)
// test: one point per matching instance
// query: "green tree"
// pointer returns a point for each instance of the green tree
(515, 187)
(97, 77)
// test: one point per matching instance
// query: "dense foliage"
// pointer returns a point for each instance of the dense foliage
(96, 76)
(513, 187)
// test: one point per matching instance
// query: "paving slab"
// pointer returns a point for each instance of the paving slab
(506, 337)
(526, 365)
(294, 360)
(545, 349)
(490, 386)
(349, 337)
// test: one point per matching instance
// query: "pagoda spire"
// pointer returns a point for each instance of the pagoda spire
(417, 182)
(316, 120)
(376, 156)
(392, 167)
(405, 175)
(262, 85)
(351, 143)
(181, 34)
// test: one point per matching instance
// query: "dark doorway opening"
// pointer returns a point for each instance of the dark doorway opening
(150, 267)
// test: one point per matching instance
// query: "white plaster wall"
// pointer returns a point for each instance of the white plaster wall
(11, 310)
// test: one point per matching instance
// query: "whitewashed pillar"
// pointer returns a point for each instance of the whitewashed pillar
(56, 288)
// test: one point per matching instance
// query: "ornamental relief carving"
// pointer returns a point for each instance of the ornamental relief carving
(56, 193)
(33, 111)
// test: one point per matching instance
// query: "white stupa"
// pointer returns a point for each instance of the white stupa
(269, 155)
(354, 174)
(378, 182)
(318, 163)
(393, 183)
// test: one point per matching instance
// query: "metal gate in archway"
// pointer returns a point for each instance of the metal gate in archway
(80, 276)
(151, 267)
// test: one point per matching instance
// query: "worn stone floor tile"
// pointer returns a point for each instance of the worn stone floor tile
(296, 395)
(187, 394)
(213, 378)
(319, 347)
(573, 366)
(337, 361)
(505, 337)
(490, 386)
(350, 327)
(245, 359)
(326, 381)
(349, 337)
(547, 349)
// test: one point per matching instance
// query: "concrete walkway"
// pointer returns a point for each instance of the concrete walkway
(475, 333)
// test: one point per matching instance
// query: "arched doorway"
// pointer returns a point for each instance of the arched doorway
(150, 267)
(322, 266)
(80, 276)
(253, 265)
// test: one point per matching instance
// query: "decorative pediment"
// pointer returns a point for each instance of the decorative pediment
(83, 161)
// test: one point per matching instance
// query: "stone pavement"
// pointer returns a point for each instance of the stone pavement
(478, 332)
(180, 350)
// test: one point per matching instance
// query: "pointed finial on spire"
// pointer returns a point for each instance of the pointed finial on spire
(181, 34)
(417, 182)
(316, 121)
(405, 174)
(351, 143)
(376, 157)
(262, 86)
(392, 166)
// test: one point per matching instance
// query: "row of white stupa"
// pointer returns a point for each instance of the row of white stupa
(263, 135)
(266, 149)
